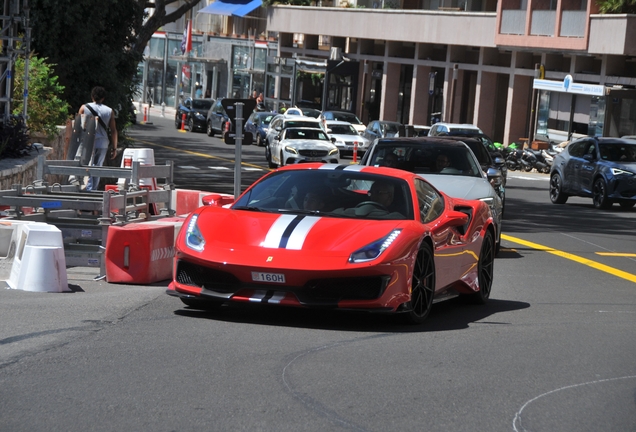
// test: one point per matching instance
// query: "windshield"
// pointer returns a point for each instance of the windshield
(301, 123)
(315, 134)
(427, 159)
(348, 117)
(342, 129)
(330, 193)
(618, 152)
(201, 104)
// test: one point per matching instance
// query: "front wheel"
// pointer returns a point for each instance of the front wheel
(599, 195)
(268, 157)
(177, 122)
(191, 124)
(281, 162)
(422, 286)
(209, 130)
(485, 270)
(557, 196)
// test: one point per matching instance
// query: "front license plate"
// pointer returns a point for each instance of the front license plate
(268, 277)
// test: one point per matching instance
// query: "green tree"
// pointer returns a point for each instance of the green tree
(45, 108)
(617, 6)
(98, 42)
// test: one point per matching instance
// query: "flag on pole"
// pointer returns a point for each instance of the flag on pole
(186, 42)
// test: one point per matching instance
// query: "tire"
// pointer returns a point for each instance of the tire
(599, 195)
(177, 122)
(191, 124)
(557, 196)
(209, 130)
(627, 204)
(201, 304)
(259, 140)
(423, 286)
(281, 161)
(527, 168)
(485, 270)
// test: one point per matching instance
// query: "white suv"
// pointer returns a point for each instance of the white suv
(454, 128)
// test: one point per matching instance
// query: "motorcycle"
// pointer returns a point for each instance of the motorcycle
(536, 160)
(517, 160)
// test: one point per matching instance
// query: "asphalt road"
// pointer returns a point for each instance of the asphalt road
(552, 351)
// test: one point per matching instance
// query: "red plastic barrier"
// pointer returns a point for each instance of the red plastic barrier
(141, 253)
(185, 201)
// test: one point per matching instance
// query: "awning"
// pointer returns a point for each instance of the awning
(238, 8)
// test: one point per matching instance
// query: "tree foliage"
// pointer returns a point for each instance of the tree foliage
(98, 42)
(617, 6)
(45, 107)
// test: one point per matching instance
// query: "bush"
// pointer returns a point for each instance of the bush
(45, 109)
(14, 138)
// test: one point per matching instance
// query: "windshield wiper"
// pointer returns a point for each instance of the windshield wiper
(249, 208)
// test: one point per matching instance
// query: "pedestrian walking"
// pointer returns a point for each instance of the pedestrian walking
(106, 120)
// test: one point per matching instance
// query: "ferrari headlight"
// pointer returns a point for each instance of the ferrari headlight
(375, 249)
(194, 239)
(291, 150)
(618, 171)
(333, 152)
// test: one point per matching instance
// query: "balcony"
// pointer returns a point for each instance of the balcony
(414, 25)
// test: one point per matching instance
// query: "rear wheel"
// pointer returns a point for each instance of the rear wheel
(599, 195)
(557, 196)
(422, 286)
(201, 304)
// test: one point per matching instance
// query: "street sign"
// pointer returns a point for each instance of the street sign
(230, 138)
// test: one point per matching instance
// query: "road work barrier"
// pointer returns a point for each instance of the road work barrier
(141, 253)
(39, 264)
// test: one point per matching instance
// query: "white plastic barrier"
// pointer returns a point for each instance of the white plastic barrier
(8, 244)
(145, 156)
(39, 264)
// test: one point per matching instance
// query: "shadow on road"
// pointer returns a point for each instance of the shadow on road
(453, 314)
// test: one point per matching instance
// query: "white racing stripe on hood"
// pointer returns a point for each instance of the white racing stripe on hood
(298, 236)
(276, 236)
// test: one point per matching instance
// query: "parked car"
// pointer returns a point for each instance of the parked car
(344, 116)
(298, 144)
(196, 111)
(448, 165)
(217, 119)
(372, 239)
(279, 123)
(382, 129)
(258, 124)
(601, 168)
(453, 128)
(346, 138)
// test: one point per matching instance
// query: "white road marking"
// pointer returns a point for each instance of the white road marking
(188, 167)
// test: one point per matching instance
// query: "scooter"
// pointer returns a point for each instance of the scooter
(536, 160)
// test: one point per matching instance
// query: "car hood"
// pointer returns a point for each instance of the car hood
(461, 186)
(282, 239)
(358, 138)
(308, 144)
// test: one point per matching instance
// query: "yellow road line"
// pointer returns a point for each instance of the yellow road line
(616, 254)
(596, 265)
(204, 155)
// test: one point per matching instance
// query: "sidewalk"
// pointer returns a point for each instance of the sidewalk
(154, 112)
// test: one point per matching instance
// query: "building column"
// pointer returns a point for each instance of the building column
(420, 96)
(485, 102)
(519, 95)
(390, 89)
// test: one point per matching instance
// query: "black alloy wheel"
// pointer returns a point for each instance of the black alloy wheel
(557, 196)
(485, 270)
(422, 286)
(210, 131)
(599, 194)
